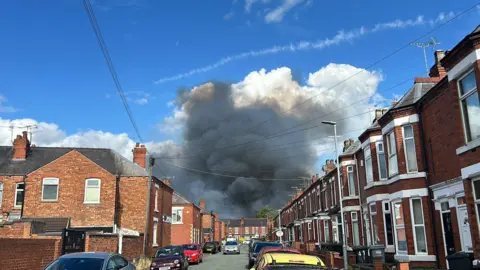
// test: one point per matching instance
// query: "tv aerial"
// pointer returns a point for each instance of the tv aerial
(424, 45)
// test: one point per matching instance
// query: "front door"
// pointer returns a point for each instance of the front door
(448, 232)
(464, 227)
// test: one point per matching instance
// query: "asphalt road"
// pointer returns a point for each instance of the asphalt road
(220, 262)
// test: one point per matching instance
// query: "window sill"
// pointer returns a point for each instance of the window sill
(155, 245)
(416, 258)
(177, 223)
(469, 146)
(91, 203)
(352, 197)
(49, 201)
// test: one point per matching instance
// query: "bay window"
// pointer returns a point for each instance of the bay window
(470, 103)
(400, 234)
(409, 146)
(326, 231)
(476, 197)
(418, 223)
(373, 219)
(368, 164)
(387, 223)
(351, 181)
(382, 164)
(392, 154)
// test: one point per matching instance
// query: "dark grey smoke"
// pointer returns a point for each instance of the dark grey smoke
(214, 124)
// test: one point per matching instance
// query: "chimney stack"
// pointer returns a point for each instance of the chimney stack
(140, 155)
(166, 182)
(202, 204)
(437, 70)
(21, 146)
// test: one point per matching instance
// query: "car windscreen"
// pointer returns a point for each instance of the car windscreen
(168, 251)
(209, 244)
(190, 247)
(259, 246)
(76, 264)
(231, 243)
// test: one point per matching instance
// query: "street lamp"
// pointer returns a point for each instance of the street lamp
(342, 218)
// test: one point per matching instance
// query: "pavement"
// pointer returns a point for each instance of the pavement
(220, 262)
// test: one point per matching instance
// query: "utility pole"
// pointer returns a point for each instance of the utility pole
(424, 46)
(147, 207)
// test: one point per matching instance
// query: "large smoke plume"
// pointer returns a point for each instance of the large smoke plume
(216, 119)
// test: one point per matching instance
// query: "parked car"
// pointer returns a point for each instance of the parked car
(194, 253)
(246, 242)
(275, 249)
(210, 247)
(219, 246)
(91, 260)
(231, 247)
(285, 261)
(169, 257)
(252, 242)
(257, 247)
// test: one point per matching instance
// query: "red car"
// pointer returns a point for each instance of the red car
(194, 252)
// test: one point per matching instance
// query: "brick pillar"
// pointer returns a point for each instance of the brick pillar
(377, 264)
(403, 265)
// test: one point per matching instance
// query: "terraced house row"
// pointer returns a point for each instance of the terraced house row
(411, 182)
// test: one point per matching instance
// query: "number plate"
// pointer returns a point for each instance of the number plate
(164, 268)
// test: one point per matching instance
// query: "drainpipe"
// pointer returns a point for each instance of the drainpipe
(116, 214)
(24, 192)
(430, 199)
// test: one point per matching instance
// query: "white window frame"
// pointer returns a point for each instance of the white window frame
(16, 191)
(392, 155)
(405, 148)
(50, 181)
(154, 232)
(395, 227)
(176, 210)
(418, 225)
(351, 182)
(326, 200)
(389, 211)
(384, 159)
(368, 160)
(354, 219)
(85, 191)
(463, 97)
(157, 187)
(334, 197)
(236, 230)
(247, 231)
(309, 229)
(326, 232)
(1, 194)
(476, 201)
(310, 201)
(373, 222)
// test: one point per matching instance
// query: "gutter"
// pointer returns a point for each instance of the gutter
(429, 193)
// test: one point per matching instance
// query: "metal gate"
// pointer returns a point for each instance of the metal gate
(73, 241)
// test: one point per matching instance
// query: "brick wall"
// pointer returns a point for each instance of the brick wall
(132, 247)
(217, 231)
(133, 202)
(101, 243)
(40, 253)
(15, 230)
(72, 170)
(8, 199)
(182, 233)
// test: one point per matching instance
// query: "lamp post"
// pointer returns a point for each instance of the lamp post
(342, 218)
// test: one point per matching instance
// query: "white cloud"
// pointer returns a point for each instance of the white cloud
(249, 4)
(229, 16)
(341, 37)
(5, 108)
(138, 97)
(141, 101)
(277, 14)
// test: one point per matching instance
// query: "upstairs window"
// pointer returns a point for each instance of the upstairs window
(92, 190)
(409, 145)
(177, 215)
(19, 192)
(50, 189)
(467, 88)
(351, 181)
(392, 154)
(382, 164)
(368, 164)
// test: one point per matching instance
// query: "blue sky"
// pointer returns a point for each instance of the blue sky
(52, 69)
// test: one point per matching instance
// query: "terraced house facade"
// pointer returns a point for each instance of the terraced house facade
(411, 182)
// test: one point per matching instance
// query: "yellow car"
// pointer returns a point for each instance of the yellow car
(288, 261)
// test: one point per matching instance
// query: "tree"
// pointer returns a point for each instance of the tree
(267, 212)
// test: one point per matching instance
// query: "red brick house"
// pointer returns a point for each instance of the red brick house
(208, 223)
(186, 221)
(247, 227)
(91, 189)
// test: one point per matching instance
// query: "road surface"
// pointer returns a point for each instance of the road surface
(220, 262)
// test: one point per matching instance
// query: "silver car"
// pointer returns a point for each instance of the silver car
(91, 261)
(231, 247)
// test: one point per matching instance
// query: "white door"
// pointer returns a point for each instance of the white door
(464, 227)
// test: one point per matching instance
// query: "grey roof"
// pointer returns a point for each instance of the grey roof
(413, 94)
(233, 222)
(38, 157)
(178, 199)
(255, 222)
(352, 149)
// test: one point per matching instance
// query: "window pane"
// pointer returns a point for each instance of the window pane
(468, 83)
(50, 192)
(471, 112)
(368, 169)
(380, 147)
(392, 165)
(402, 239)
(420, 237)
(351, 184)
(408, 131)
(92, 194)
(356, 234)
(411, 157)
(398, 214)
(391, 144)
(21, 186)
(92, 182)
(19, 198)
(417, 212)
(476, 186)
(383, 165)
